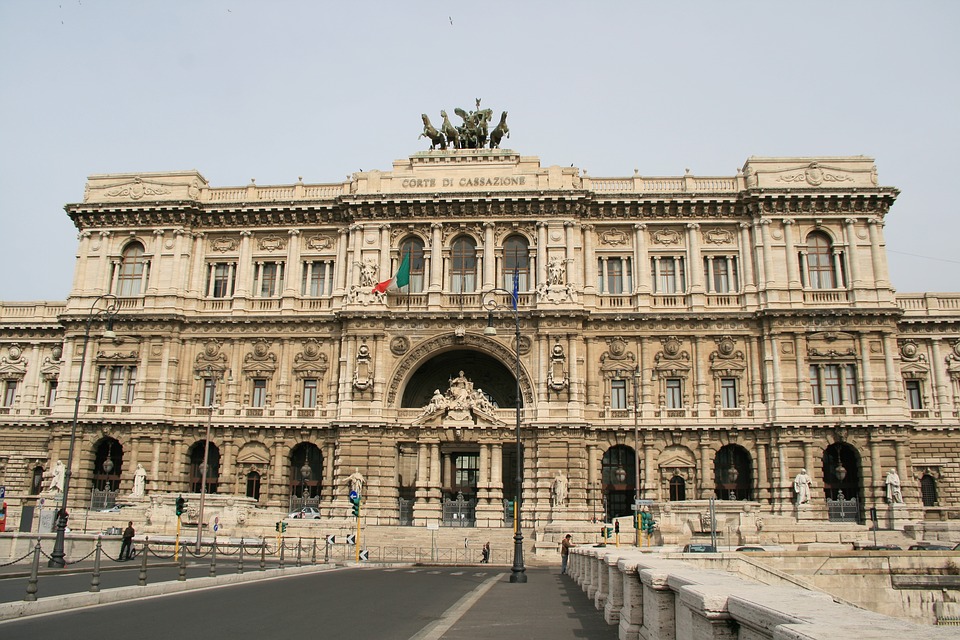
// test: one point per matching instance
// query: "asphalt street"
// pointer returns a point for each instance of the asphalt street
(406, 603)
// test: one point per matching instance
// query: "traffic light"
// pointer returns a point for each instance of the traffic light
(355, 502)
(647, 523)
(277, 527)
(616, 526)
(283, 527)
(180, 503)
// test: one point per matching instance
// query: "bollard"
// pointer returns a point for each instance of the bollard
(281, 552)
(299, 546)
(32, 582)
(326, 550)
(95, 580)
(313, 552)
(240, 561)
(142, 576)
(182, 572)
(213, 558)
(263, 554)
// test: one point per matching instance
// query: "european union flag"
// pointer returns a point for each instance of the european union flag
(516, 287)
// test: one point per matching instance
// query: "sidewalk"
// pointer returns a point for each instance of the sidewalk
(549, 605)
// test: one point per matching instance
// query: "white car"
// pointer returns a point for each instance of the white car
(306, 513)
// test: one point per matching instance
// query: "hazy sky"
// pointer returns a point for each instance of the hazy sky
(280, 89)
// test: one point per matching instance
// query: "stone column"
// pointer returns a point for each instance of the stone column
(877, 490)
(696, 264)
(706, 469)
(937, 365)
(700, 383)
(895, 389)
(875, 228)
(642, 285)
(244, 265)
(746, 253)
(851, 234)
(866, 375)
(436, 257)
(293, 274)
(589, 260)
(489, 258)
(342, 266)
(573, 276)
(768, 273)
(763, 482)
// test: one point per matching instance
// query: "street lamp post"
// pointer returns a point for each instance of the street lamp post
(213, 375)
(518, 571)
(636, 451)
(108, 314)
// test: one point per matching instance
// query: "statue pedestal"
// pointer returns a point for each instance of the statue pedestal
(561, 515)
(806, 512)
(897, 515)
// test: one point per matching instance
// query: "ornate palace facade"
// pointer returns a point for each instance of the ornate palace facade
(731, 331)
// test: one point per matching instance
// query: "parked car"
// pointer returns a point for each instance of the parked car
(879, 547)
(306, 513)
(754, 548)
(115, 508)
(929, 546)
(699, 548)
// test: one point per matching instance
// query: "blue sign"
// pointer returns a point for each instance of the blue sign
(3, 492)
(354, 495)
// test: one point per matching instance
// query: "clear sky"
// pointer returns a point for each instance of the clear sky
(279, 89)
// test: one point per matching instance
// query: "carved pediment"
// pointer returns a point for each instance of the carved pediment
(261, 361)
(677, 458)
(254, 453)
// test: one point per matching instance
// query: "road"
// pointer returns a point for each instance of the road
(422, 603)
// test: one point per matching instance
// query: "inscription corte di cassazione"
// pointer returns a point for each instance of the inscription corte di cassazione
(480, 181)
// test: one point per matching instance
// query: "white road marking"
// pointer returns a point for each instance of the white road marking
(436, 629)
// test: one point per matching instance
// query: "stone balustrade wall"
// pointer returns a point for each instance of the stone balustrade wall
(654, 598)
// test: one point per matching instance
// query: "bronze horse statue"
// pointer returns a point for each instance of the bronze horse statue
(499, 132)
(429, 131)
(453, 137)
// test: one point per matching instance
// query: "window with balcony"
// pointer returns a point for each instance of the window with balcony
(463, 265)
(914, 394)
(720, 274)
(259, 396)
(116, 384)
(220, 279)
(209, 392)
(614, 275)
(132, 271)
(317, 279)
(669, 275)
(412, 248)
(834, 384)
(516, 260)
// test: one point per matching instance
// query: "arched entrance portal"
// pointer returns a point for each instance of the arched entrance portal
(456, 390)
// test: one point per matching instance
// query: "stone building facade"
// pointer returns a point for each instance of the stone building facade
(724, 333)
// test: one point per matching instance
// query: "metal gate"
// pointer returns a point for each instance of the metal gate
(406, 512)
(843, 510)
(460, 512)
(104, 499)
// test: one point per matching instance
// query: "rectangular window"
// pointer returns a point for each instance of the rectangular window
(668, 275)
(220, 279)
(209, 392)
(914, 394)
(831, 384)
(317, 278)
(850, 384)
(131, 384)
(310, 393)
(674, 393)
(728, 393)
(618, 394)
(614, 275)
(467, 472)
(116, 384)
(720, 274)
(271, 279)
(51, 392)
(259, 392)
(815, 384)
(9, 392)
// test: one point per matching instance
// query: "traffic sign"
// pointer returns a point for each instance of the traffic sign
(331, 539)
(3, 492)
(354, 495)
(364, 554)
(351, 538)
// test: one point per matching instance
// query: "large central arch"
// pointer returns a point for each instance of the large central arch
(487, 362)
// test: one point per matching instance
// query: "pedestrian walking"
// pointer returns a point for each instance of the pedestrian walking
(565, 545)
(485, 553)
(127, 544)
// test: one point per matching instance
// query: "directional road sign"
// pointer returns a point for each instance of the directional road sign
(364, 554)
(354, 495)
(331, 539)
(351, 538)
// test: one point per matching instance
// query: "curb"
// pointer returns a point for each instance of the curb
(23, 609)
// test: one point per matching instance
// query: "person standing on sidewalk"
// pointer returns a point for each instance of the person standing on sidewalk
(565, 545)
(127, 544)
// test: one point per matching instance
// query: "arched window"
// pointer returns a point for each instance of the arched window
(734, 477)
(36, 483)
(306, 471)
(678, 489)
(132, 268)
(463, 265)
(618, 476)
(928, 490)
(413, 247)
(821, 273)
(107, 465)
(516, 259)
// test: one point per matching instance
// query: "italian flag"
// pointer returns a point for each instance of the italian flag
(400, 279)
